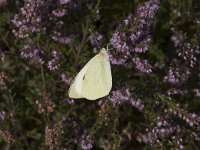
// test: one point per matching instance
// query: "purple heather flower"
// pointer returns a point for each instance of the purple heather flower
(185, 62)
(118, 58)
(142, 65)
(29, 20)
(177, 39)
(195, 136)
(176, 76)
(2, 2)
(162, 123)
(148, 10)
(143, 18)
(66, 79)
(137, 104)
(59, 24)
(189, 53)
(161, 129)
(53, 64)
(59, 12)
(62, 2)
(172, 76)
(175, 91)
(30, 51)
(71, 102)
(143, 46)
(135, 38)
(136, 35)
(58, 37)
(127, 20)
(124, 95)
(120, 96)
(118, 40)
(96, 39)
(192, 119)
(186, 51)
(86, 143)
(197, 92)
(2, 115)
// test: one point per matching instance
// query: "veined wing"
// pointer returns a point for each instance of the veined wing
(75, 88)
(97, 81)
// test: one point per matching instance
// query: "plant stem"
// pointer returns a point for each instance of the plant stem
(43, 80)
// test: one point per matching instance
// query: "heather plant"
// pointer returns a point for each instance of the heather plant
(154, 51)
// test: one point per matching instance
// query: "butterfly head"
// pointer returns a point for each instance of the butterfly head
(104, 52)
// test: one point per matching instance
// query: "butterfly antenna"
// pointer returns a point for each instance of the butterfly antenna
(95, 38)
(108, 48)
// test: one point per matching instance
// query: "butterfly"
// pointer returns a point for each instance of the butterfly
(94, 80)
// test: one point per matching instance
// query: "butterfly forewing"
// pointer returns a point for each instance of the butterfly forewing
(97, 80)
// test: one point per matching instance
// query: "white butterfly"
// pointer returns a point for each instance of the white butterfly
(94, 80)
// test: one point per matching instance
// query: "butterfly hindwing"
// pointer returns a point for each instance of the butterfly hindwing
(75, 88)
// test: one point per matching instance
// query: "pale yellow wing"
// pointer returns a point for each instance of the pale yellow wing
(97, 81)
(75, 88)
